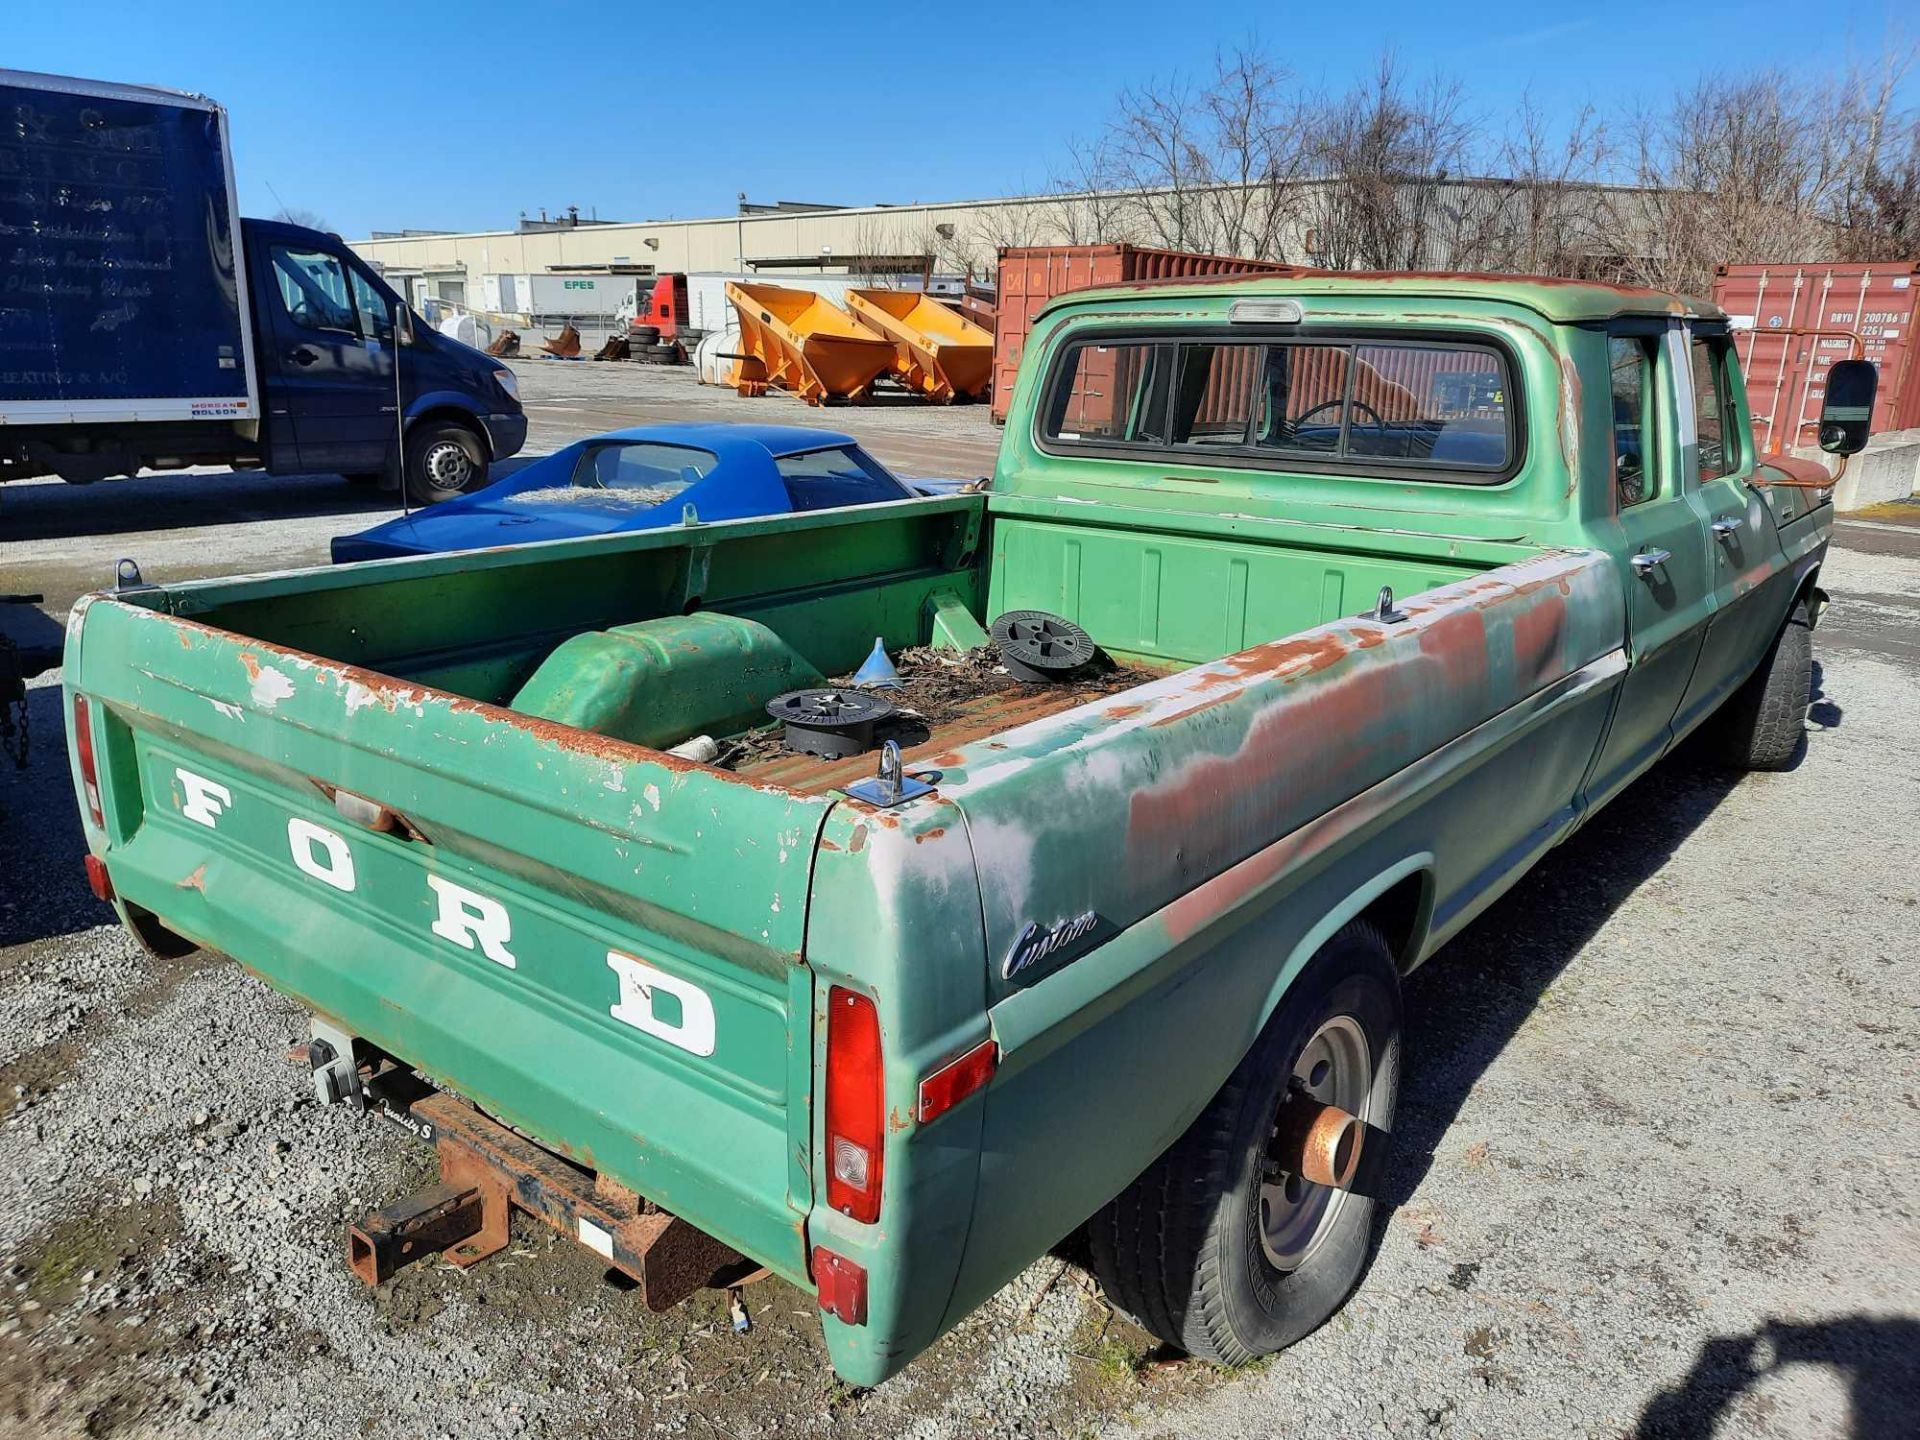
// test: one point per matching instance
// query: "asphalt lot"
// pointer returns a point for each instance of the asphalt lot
(1655, 1171)
(63, 539)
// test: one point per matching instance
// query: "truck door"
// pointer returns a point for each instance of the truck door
(1750, 581)
(331, 361)
(1669, 596)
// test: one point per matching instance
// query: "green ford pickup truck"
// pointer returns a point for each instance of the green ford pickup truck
(1329, 605)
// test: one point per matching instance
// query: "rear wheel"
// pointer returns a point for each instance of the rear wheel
(444, 458)
(1763, 721)
(1217, 1249)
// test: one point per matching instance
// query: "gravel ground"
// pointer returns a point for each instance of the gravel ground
(1655, 1169)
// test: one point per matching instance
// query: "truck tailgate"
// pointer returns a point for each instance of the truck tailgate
(534, 933)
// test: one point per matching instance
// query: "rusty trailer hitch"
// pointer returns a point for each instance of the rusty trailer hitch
(487, 1171)
(437, 1218)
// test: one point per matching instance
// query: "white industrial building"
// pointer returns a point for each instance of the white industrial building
(799, 240)
(1452, 224)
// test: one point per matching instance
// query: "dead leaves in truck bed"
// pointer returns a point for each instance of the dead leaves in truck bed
(939, 686)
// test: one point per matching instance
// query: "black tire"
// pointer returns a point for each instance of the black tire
(665, 351)
(1183, 1249)
(1763, 722)
(643, 334)
(444, 459)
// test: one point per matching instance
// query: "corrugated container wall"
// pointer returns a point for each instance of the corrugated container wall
(1791, 322)
(1032, 275)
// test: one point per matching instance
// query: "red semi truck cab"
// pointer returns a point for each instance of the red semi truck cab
(664, 307)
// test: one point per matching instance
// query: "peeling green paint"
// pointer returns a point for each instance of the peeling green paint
(1117, 893)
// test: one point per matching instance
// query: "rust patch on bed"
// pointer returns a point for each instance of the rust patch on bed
(1282, 659)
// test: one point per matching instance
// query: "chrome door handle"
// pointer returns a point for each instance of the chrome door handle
(1647, 561)
(1726, 527)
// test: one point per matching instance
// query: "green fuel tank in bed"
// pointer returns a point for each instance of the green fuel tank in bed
(662, 681)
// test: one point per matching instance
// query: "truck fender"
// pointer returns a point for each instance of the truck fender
(452, 405)
(1353, 905)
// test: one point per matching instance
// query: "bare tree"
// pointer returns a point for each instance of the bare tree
(1744, 169)
(1543, 215)
(1090, 207)
(994, 228)
(1154, 146)
(1882, 217)
(1253, 156)
(1394, 173)
(1383, 149)
(1878, 208)
(882, 243)
(1212, 166)
(309, 219)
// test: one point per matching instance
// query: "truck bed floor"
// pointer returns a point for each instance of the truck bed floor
(955, 722)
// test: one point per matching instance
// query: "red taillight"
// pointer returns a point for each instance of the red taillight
(83, 745)
(98, 880)
(842, 1286)
(956, 1080)
(855, 1100)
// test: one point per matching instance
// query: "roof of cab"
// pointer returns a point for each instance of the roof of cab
(1566, 301)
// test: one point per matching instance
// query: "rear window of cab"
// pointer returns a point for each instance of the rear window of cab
(1441, 409)
(644, 472)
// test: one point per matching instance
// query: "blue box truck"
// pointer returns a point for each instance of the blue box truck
(144, 325)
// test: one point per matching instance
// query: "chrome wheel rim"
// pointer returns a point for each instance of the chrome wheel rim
(448, 466)
(1295, 1215)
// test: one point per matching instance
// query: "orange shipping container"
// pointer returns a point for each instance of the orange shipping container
(1031, 275)
(1791, 322)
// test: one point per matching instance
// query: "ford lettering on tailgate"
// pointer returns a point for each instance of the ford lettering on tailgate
(488, 922)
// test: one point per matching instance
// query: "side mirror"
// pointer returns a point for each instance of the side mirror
(403, 323)
(1846, 414)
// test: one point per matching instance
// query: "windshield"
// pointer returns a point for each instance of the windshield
(636, 472)
(842, 475)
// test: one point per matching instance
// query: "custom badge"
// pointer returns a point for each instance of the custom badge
(1039, 942)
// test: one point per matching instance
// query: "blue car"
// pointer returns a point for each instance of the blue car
(644, 478)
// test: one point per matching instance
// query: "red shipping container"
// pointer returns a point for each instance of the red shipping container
(1031, 275)
(1792, 321)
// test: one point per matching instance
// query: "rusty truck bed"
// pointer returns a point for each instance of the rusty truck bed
(923, 744)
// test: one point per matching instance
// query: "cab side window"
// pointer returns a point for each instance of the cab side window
(1634, 455)
(376, 314)
(1712, 414)
(313, 288)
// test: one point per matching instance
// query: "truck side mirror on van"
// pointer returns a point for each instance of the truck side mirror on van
(403, 324)
(1846, 414)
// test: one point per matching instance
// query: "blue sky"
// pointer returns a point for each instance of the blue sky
(436, 114)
